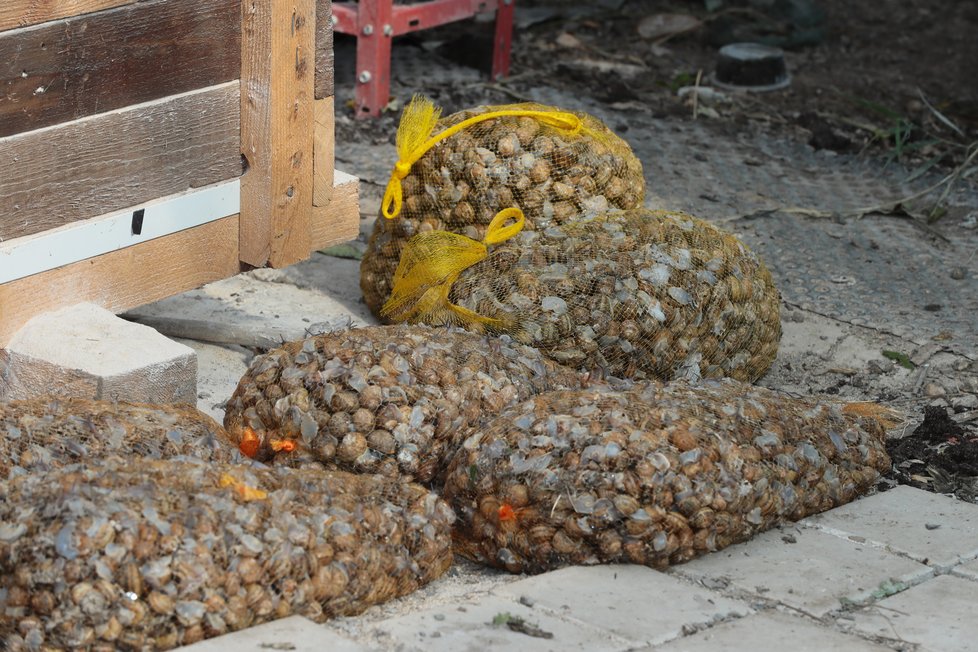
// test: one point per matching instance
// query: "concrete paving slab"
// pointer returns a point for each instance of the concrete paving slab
(470, 628)
(968, 570)
(260, 308)
(927, 527)
(294, 633)
(770, 632)
(937, 615)
(337, 278)
(219, 368)
(618, 598)
(804, 568)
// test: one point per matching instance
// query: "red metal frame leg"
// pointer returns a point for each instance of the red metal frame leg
(374, 34)
(503, 39)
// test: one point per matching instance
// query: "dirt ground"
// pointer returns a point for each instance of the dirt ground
(854, 183)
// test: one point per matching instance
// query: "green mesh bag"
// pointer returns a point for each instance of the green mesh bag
(629, 294)
(556, 166)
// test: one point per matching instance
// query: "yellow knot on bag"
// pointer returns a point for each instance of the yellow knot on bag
(414, 138)
(429, 266)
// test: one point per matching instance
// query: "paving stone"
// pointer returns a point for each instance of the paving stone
(898, 520)
(86, 351)
(294, 633)
(812, 574)
(968, 570)
(219, 368)
(617, 598)
(770, 631)
(938, 615)
(244, 309)
(450, 629)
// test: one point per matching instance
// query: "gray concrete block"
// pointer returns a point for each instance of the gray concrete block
(938, 615)
(86, 351)
(294, 633)
(771, 631)
(246, 309)
(928, 527)
(618, 599)
(804, 568)
(470, 628)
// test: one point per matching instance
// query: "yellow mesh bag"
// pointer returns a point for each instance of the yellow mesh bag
(457, 173)
(655, 476)
(630, 294)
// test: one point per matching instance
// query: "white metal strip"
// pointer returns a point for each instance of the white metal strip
(40, 252)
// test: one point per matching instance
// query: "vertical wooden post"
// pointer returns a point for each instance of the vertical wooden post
(277, 122)
(324, 49)
(324, 149)
(324, 146)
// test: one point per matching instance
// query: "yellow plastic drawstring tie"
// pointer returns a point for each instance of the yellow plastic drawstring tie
(496, 232)
(432, 262)
(414, 138)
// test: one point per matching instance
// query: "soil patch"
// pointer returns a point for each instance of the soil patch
(940, 455)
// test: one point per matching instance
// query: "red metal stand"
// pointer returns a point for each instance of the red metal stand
(376, 22)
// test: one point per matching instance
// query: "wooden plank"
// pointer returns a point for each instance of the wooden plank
(21, 13)
(55, 176)
(324, 152)
(277, 75)
(128, 277)
(339, 220)
(46, 250)
(324, 49)
(98, 62)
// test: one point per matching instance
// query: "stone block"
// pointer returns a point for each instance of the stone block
(86, 351)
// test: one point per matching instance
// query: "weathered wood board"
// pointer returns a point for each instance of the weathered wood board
(339, 220)
(324, 49)
(276, 131)
(324, 151)
(93, 63)
(109, 104)
(21, 13)
(162, 267)
(81, 169)
(128, 277)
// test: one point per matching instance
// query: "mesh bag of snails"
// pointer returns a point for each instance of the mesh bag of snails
(395, 400)
(629, 294)
(147, 554)
(45, 433)
(656, 475)
(456, 173)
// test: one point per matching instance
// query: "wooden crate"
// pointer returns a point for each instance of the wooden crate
(150, 146)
